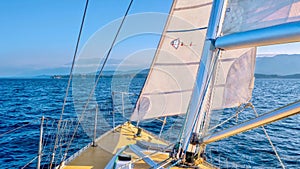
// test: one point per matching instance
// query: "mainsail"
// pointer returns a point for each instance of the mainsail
(168, 88)
(235, 70)
(233, 77)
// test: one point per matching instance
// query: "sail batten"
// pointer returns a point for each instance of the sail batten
(191, 7)
(169, 85)
(177, 64)
(187, 30)
(168, 92)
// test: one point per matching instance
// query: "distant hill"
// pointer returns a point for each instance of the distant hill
(107, 74)
(43, 73)
(282, 64)
(263, 76)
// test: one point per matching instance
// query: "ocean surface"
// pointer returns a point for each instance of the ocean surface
(24, 101)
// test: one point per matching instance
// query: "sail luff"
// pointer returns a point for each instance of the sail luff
(262, 120)
(156, 52)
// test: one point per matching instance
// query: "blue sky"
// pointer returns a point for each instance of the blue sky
(42, 34)
(39, 34)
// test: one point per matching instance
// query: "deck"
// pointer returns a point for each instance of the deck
(109, 143)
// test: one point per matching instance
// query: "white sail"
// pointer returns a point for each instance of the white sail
(168, 88)
(253, 14)
(234, 78)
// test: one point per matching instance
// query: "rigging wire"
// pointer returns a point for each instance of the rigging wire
(225, 121)
(26, 165)
(70, 77)
(206, 118)
(48, 138)
(98, 78)
(15, 129)
(268, 137)
(209, 78)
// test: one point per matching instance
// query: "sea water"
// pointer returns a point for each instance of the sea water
(24, 101)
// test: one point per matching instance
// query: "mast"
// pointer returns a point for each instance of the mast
(203, 74)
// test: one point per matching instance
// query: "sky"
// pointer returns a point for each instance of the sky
(42, 34)
(37, 34)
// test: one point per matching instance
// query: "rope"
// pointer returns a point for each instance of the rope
(199, 104)
(98, 78)
(26, 165)
(47, 139)
(10, 131)
(206, 118)
(268, 137)
(237, 113)
(70, 77)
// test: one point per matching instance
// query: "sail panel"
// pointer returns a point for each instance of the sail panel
(234, 78)
(168, 87)
(254, 14)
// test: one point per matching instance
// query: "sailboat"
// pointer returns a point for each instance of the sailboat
(204, 62)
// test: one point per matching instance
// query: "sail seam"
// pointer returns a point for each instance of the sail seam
(169, 92)
(227, 59)
(187, 30)
(177, 64)
(156, 53)
(193, 7)
(219, 85)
